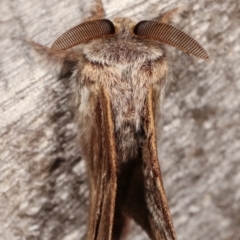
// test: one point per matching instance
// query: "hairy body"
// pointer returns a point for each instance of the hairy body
(126, 67)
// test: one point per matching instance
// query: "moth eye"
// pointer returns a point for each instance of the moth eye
(165, 33)
(84, 32)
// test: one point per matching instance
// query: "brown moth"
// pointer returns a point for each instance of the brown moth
(118, 70)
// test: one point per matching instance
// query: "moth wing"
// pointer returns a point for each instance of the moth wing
(102, 170)
(146, 200)
(156, 200)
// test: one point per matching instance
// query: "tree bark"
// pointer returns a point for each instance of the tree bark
(43, 184)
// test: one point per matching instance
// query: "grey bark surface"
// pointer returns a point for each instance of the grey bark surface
(43, 184)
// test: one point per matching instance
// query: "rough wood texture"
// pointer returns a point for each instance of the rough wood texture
(43, 188)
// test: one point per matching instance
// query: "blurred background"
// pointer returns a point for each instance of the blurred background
(43, 187)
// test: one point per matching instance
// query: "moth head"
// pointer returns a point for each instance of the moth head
(151, 30)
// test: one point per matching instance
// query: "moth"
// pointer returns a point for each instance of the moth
(118, 69)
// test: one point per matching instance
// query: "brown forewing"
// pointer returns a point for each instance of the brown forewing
(160, 218)
(145, 199)
(102, 169)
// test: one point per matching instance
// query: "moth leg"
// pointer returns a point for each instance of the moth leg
(168, 16)
(63, 62)
(97, 11)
